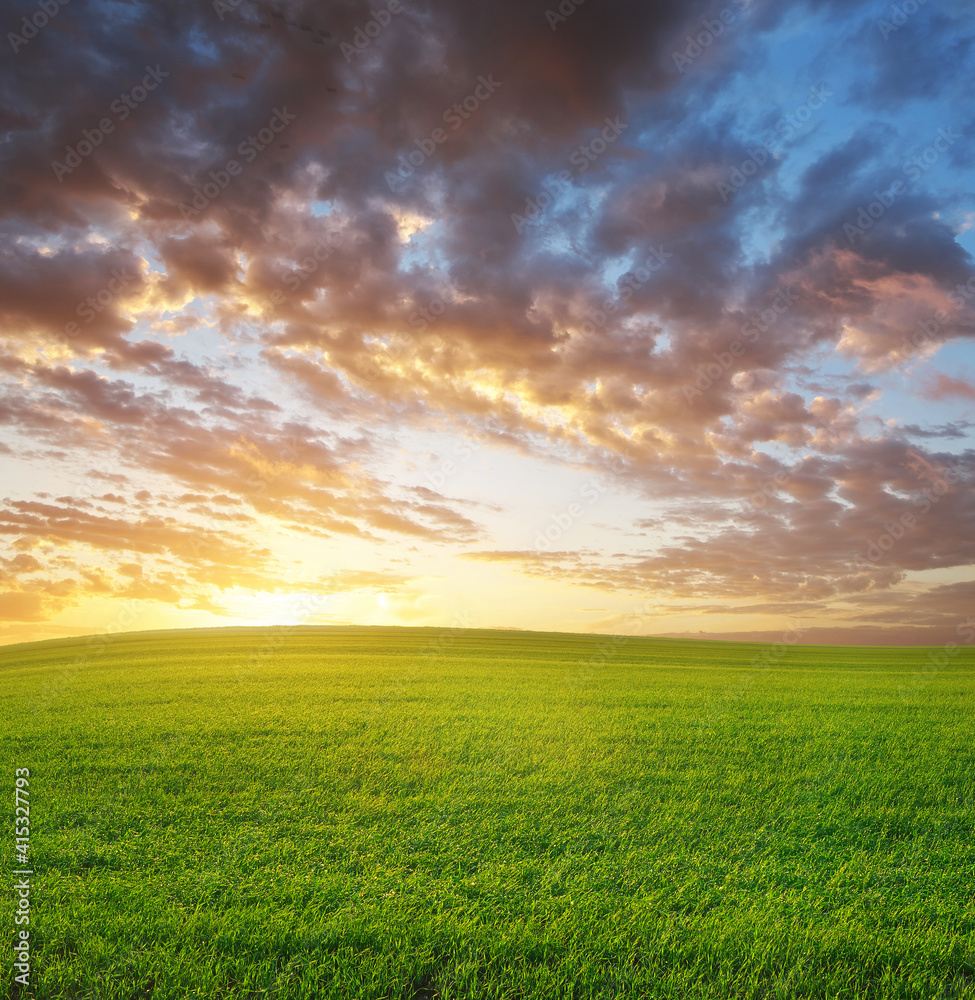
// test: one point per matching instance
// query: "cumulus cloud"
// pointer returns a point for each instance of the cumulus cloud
(254, 248)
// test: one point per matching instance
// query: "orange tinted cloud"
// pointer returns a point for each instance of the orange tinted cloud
(193, 396)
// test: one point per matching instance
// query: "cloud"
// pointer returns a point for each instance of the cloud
(953, 429)
(230, 318)
(940, 385)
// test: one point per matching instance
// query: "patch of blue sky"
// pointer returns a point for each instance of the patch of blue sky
(206, 345)
(908, 393)
(760, 233)
(201, 44)
(152, 258)
(779, 450)
(611, 269)
(424, 252)
(47, 244)
(902, 392)
(117, 13)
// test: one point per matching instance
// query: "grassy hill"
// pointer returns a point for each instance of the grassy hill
(419, 813)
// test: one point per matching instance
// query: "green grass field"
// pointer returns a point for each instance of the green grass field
(420, 813)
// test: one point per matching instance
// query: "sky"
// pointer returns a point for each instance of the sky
(611, 316)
